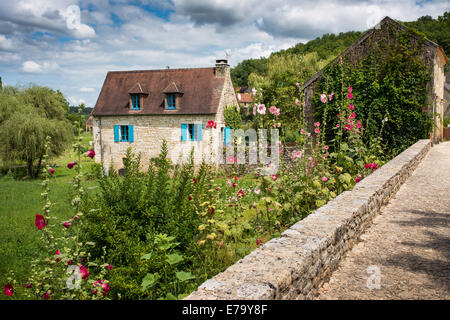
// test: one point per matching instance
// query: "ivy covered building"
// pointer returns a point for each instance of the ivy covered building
(397, 75)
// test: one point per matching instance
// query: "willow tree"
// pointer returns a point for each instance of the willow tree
(27, 117)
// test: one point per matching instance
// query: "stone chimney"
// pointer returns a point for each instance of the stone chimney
(222, 68)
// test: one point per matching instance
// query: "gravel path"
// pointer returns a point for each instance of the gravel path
(408, 246)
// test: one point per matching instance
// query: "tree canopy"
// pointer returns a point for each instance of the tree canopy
(27, 117)
(328, 46)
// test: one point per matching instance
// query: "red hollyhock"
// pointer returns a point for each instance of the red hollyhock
(91, 154)
(66, 225)
(84, 272)
(52, 171)
(39, 221)
(9, 289)
(46, 295)
(71, 164)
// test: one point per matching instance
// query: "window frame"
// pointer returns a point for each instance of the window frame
(135, 102)
(127, 135)
(171, 101)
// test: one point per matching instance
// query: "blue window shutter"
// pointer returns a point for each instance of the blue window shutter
(183, 132)
(131, 133)
(199, 132)
(227, 135)
(116, 133)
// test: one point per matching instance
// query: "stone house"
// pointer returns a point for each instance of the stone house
(89, 123)
(431, 54)
(139, 109)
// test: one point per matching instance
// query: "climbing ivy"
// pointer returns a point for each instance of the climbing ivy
(232, 117)
(391, 86)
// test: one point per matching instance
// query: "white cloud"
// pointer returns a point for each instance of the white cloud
(33, 67)
(193, 35)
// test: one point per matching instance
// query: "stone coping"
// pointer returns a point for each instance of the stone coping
(295, 265)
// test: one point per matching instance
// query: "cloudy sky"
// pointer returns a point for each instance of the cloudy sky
(70, 45)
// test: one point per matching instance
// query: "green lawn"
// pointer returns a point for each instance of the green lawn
(20, 200)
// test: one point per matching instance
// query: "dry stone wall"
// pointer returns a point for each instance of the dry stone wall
(295, 265)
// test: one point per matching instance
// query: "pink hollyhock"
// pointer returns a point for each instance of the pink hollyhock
(358, 179)
(353, 115)
(331, 96)
(91, 153)
(232, 159)
(302, 131)
(323, 98)
(350, 95)
(58, 252)
(317, 130)
(52, 171)
(28, 286)
(316, 124)
(279, 125)
(338, 115)
(257, 191)
(84, 272)
(297, 84)
(71, 164)
(359, 125)
(324, 179)
(262, 109)
(66, 225)
(46, 295)
(350, 89)
(351, 107)
(309, 134)
(297, 103)
(110, 267)
(326, 147)
(274, 177)
(338, 125)
(259, 241)
(9, 289)
(39, 221)
(273, 109)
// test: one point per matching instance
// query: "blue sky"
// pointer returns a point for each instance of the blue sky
(46, 42)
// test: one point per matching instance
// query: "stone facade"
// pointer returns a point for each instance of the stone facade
(295, 265)
(150, 130)
(431, 54)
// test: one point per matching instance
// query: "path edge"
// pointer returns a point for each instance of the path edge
(295, 265)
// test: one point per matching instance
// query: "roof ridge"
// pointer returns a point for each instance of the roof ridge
(156, 70)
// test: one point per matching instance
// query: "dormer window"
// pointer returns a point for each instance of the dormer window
(135, 103)
(171, 105)
(173, 94)
(138, 94)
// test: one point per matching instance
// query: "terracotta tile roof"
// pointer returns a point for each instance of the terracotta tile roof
(244, 98)
(172, 88)
(201, 91)
(137, 88)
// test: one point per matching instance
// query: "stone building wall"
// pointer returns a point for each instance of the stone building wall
(150, 130)
(385, 34)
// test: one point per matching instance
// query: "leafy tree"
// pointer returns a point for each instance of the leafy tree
(27, 117)
(240, 73)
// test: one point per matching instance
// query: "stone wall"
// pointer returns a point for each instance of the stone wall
(295, 265)
(149, 132)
